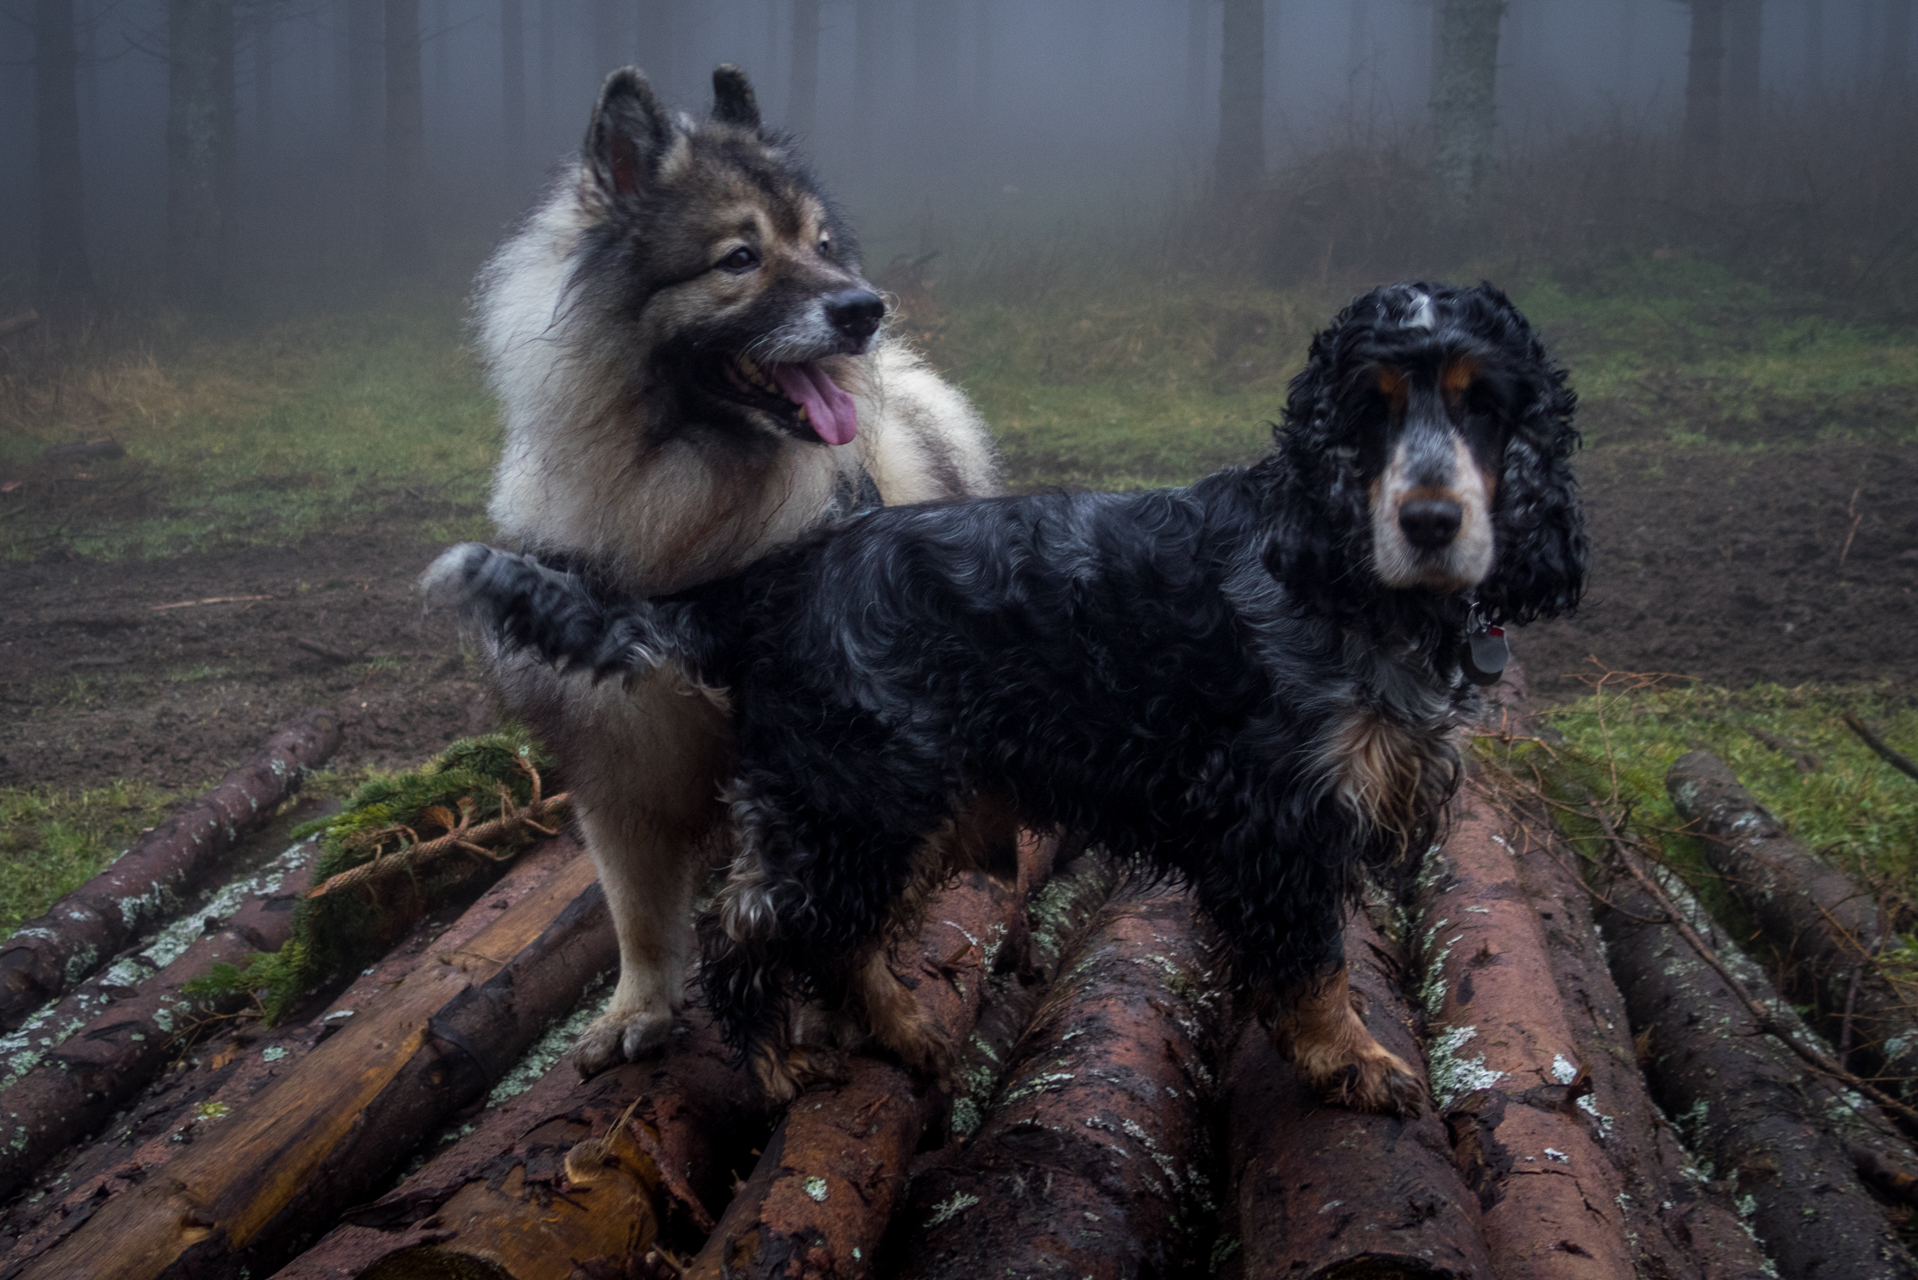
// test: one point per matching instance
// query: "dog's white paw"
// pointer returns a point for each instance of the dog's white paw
(620, 1036)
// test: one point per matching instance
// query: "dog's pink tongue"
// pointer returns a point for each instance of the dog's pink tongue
(831, 409)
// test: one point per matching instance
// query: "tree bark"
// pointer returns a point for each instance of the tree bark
(512, 56)
(1093, 1160)
(1682, 1227)
(1320, 1191)
(199, 146)
(1824, 928)
(64, 270)
(1465, 105)
(1703, 91)
(802, 111)
(1744, 1103)
(1505, 1069)
(570, 1173)
(218, 1079)
(403, 243)
(1239, 166)
(320, 1136)
(131, 1034)
(47, 955)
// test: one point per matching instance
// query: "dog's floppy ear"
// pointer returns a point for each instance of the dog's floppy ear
(629, 134)
(733, 100)
(1539, 522)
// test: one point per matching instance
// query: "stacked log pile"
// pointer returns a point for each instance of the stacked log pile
(1639, 1105)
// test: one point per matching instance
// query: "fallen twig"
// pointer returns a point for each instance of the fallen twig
(189, 604)
(1886, 752)
(319, 650)
(1805, 760)
(461, 834)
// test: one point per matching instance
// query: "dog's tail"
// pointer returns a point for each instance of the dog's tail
(522, 604)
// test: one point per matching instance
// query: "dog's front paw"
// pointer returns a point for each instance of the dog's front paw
(1370, 1078)
(785, 1074)
(618, 1036)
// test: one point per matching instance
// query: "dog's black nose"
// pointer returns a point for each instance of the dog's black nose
(1430, 523)
(855, 312)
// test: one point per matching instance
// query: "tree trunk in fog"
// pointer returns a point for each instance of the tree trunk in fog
(365, 101)
(262, 18)
(935, 61)
(1627, 44)
(1897, 80)
(1240, 164)
(982, 54)
(1464, 104)
(199, 146)
(656, 40)
(1744, 84)
(803, 104)
(869, 31)
(63, 267)
(1703, 78)
(548, 85)
(404, 241)
(1814, 45)
(512, 61)
(608, 48)
(1198, 51)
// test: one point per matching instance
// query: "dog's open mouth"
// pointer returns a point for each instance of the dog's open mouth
(802, 392)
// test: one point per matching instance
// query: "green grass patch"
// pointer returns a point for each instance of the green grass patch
(314, 424)
(1154, 382)
(54, 841)
(1854, 809)
(334, 422)
(1707, 357)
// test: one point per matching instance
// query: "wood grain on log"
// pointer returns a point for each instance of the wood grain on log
(818, 1201)
(1823, 926)
(47, 955)
(320, 1136)
(1682, 1227)
(1506, 1070)
(570, 1173)
(1321, 1191)
(122, 1038)
(1745, 1104)
(1093, 1158)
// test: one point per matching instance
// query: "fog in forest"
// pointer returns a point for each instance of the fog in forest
(934, 120)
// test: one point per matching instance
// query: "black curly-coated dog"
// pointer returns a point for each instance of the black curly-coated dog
(1256, 683)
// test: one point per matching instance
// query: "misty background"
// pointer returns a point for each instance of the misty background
(941, 122)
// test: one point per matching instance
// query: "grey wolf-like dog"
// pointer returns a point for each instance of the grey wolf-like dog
(691, 371)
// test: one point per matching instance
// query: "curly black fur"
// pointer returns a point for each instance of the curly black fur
(1177, 674)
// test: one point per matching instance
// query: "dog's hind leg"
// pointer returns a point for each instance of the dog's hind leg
(1321, 1029)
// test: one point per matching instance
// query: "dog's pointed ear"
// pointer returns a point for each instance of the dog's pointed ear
(733, 100)
(629, 134)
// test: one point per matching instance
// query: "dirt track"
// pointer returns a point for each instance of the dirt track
(1720, 566)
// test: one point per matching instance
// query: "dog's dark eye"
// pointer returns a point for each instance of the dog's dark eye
(741, 259)
(825, 245)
